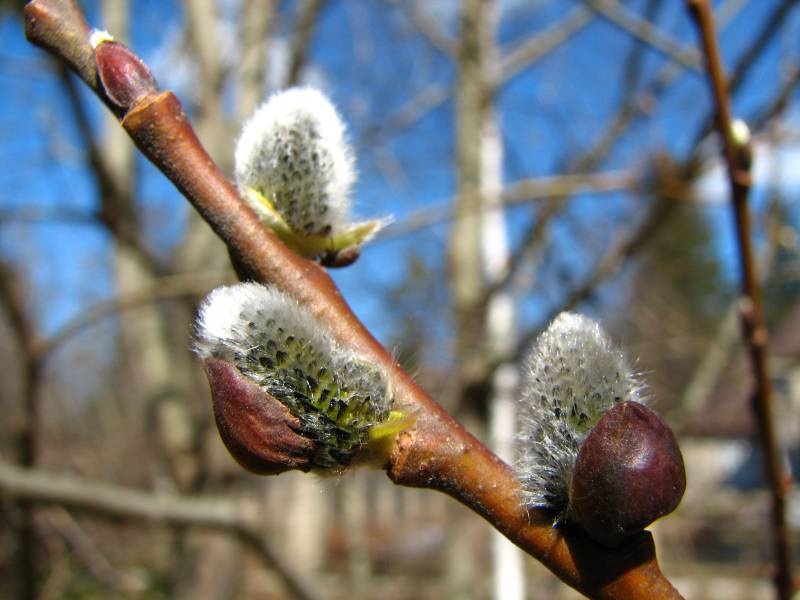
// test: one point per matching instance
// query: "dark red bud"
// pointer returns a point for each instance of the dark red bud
(628, 473)
(340, 258)
(124, 76)
(257, 429)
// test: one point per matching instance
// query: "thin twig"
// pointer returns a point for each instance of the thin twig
(535, 47)
(82, 546)
(625, 246)
(736, 153)
(427, 24)
(742, 66)
(521, 56)
(538, 189)
(163, 288)
(435, 452)
(632, 106)
(624, 18)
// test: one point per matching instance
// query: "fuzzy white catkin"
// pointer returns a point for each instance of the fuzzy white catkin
(573, 375)
(293, 151)
(337, 395)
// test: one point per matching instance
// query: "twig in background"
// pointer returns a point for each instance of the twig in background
(736, 147)
(115, 501)
(645, 31)
(29, 427)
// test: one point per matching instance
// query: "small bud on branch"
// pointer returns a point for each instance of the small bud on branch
(125, 78)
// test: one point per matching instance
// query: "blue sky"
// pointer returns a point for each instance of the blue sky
(371, 63)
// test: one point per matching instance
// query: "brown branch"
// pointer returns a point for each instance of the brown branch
(436, 452)
(114, 501)
(736, 153)
(631, 108)
(748, 58)
(635, 104)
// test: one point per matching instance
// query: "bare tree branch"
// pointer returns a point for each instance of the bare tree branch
(624, 18)
(28, 432)
(537, 189)
(624, 247)
(116, 206)
(164, 288)
(429, 27)
(738, 157)
(84, 549)
(631, 107)
(256, 23)
(517, 59)
(538, 46)
(113, 501)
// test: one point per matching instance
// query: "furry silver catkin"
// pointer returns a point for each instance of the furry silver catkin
(293, 152)
(572, 377)
(336, 394)
(294, 168)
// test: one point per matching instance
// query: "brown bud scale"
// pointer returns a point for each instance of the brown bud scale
(258, 430)
(628, 473)
(125, 77)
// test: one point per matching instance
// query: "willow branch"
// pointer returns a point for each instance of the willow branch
(736, 153)
(436, 452)
(741, 68)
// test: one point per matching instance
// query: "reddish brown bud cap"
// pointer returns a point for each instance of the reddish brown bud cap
(628, 473)
(257, 429)
(124, 76)
(340, 258)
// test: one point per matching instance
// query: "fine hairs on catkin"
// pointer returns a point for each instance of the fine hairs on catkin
(293, 152)
(572, 377)
(336, 394)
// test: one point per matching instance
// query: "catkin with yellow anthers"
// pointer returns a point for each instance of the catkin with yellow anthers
(337, 395)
